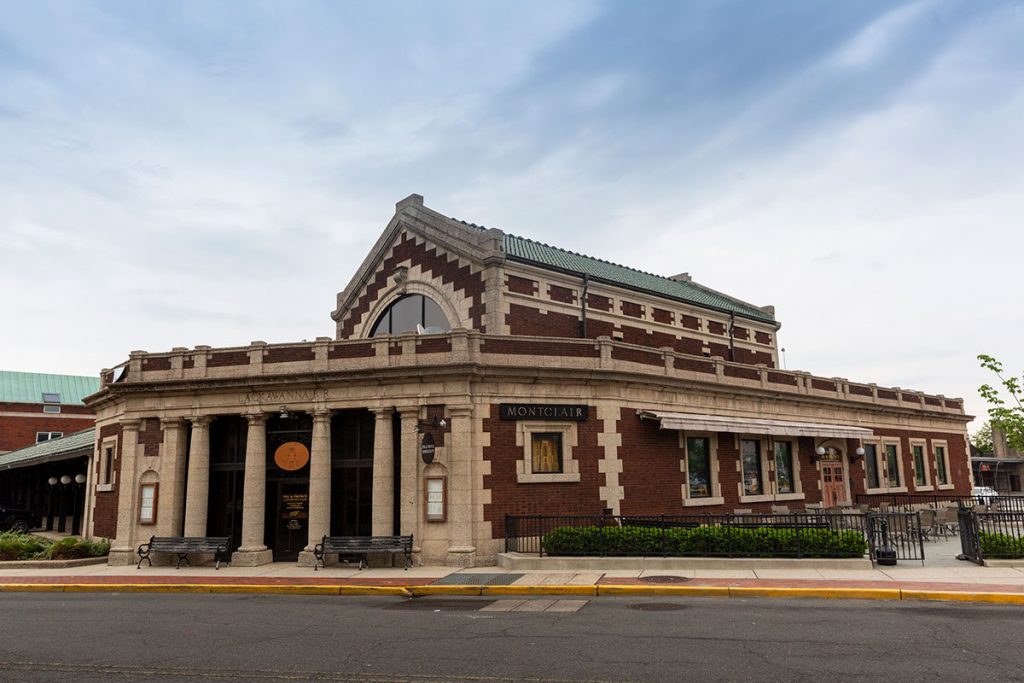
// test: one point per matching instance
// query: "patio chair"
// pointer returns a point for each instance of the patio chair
(948, 521)
(928, 524)
(814, 506)
(780, 509)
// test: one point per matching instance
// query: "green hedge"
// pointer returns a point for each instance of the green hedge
(1001, 546)
(16, 546)
(704, 541)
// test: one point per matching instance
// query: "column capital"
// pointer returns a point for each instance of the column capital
(200, 420)
(255, 419)
(460, 411)
(382, 413)
(130, 424)
(172, 422)
(321, 415)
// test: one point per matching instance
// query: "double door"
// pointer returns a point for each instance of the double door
(833, 484)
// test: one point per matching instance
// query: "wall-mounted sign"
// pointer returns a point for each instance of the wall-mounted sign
(291, 456)
(427, 448)
(542, 411)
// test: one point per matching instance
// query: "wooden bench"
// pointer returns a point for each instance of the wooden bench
(182, 546)
(362, 546)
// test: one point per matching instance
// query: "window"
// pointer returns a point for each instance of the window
(51, 398)
(51, 409)
(750, 455)
(46, 436)
(108, 465)
(408, 312)
(546, 452)
(892, 463)
(940, 465)
(920, 473)
(871, 465)
(435, 490)
(147, 503)
(784, 482)
(698, 467)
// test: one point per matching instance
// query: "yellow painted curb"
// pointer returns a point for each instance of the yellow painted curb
(418, 591)
(678, 591)
(136, 588)
(828, 593)
(274, 589)
(31, 587)
(957, 596)
(539, 590)
(402, 591)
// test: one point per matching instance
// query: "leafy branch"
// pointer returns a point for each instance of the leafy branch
(1006, 416)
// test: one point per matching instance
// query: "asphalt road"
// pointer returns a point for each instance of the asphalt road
(160, 637)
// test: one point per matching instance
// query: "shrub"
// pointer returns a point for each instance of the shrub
(704, 541)
(1005, 546)
(17, 546)
(77, 548)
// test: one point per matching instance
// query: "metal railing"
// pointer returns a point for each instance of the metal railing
(793, 535)
(914, 501)
(991, 535)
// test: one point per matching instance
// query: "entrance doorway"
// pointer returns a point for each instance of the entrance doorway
(833, 480)
(286, 527)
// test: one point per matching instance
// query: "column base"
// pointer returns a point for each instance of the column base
(461, 556)
(246, 557)
(122, 557)
(308, 559)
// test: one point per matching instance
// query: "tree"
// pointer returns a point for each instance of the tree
(982, 439)
(1007, 416)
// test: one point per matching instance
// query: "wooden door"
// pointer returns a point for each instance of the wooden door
(833, 484)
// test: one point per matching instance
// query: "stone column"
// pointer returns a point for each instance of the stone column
(461, 550)
(319, 485)
(172, 478)
(122, 551)
(410, 477)
(197, 496)
(253, 551)
(383, 521)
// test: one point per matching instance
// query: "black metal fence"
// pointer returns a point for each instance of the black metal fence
(794, 535)
(991, 535)
(912, 501)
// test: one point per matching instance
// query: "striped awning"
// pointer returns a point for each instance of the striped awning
(752, 425)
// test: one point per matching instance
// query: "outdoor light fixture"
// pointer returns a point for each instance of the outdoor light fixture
(65, 480)
(79, 478)
(52, 481)
(433, 422)
(284, 413)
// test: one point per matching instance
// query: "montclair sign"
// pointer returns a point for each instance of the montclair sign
(535, 411)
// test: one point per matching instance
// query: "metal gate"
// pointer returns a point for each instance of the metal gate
(899, 531)
(970, 540)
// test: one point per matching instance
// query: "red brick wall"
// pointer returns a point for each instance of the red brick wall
(288, 353)
(226, 358)
(435, 264)
(956, 451)
(561, 294)
(151, 436)
(651, 477)
(508, 497)
(105, 508)
(522, 285)
(530, 322)
(17, 431)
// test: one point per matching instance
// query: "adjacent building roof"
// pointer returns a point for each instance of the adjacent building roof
(543, 255)
(64, 448)
(29, 387)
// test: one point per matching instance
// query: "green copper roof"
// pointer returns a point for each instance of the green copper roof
(544, 255)
(70, 446)
(29, 387)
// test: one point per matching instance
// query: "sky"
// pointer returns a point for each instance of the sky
(183, 173)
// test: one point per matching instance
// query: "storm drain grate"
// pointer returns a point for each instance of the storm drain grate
(664, 579)
(475, 579)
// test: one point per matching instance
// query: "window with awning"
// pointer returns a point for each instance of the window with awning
(750, 425)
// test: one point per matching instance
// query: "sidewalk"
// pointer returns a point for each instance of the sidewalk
(905, 581)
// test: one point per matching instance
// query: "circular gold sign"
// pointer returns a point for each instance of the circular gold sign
(291, 456)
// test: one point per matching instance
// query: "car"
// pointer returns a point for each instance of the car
(986, 495)
(15, 519)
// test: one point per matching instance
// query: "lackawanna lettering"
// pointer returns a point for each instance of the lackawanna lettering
(533, 411)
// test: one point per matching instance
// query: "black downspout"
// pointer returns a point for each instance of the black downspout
(583, 303)
(732, 339)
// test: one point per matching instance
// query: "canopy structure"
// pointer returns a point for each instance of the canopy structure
(752, 425)
(65, 448)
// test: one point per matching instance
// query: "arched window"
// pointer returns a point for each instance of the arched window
(408, 312)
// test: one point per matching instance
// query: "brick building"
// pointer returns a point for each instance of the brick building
(42, 418)
(474, 374)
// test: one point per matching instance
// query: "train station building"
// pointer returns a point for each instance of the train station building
(474, 374)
